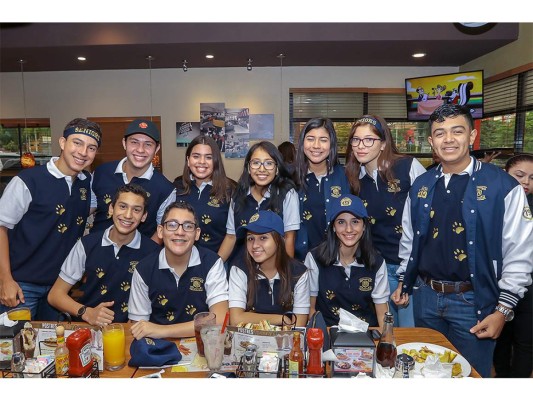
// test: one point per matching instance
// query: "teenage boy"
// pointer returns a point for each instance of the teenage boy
(169, 287)
(141, 143)
(466, 242)
(106, 260)
(42, 213)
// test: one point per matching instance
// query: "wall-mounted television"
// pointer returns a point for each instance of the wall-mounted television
(425, 93)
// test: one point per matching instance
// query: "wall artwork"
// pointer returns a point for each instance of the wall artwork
(186, 132)
(261, 126)
(212, 122)
(237, 133)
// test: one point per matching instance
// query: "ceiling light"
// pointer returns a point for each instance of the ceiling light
(249, 66)
(419, 55)
(82, 58)
(209, 56)
(184, 66)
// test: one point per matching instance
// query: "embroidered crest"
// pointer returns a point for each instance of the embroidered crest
(133, 265)
(83, 193)
(213, 202)
(423, 192)
(527, 213)
(393, 186)
(143, 125)
(346, 202)
(149, 341)
(336, 191)
(254, 218)
(197, 284)
(480, 195)
(365, 284)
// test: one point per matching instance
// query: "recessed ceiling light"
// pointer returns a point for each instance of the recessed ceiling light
(82, 58)
(419, 55)
(209, 56)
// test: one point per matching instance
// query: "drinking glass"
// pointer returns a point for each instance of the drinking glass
(19, 314)
(213, 345)
(200, 320)
(114, 347)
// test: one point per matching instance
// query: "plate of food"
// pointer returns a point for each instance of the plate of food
(50, 342)
(342, 356)
(419, 351)
(343, 365)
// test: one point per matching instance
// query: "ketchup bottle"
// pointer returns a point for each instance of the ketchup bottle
(79, 348)
(315, 340)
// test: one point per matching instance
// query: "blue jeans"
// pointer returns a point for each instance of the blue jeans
(35, 300)
(453, 315)
(403, 317)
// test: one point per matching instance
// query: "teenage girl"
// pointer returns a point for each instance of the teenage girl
(382, 177)
(205, 185)
(270, 282)
(320, 180)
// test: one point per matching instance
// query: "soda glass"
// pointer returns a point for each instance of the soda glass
(213, 345)
(200, 320)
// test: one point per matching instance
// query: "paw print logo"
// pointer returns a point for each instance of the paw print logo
(307, 215)
(125, 286)
(103, 289)
(60, 209)
(190, 309)
(162, 299)
(365, 203)
(61, 228)
(431, 213)
(79, 221)
(305, 197)
(329, 294)
(100, 272)
(205, 237)
(244, 222)
(335, 310)
(170, 316)
(459, 254)
(107, 199)
(108, 216)
(355, 307)
(457, 227)
(206, 219)
(435, 233)
(124, 307)
(372, 220)
(390, 211)
(398, 229)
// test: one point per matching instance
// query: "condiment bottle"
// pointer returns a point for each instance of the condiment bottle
(386, 350)
(296, 357)
(404, 366)
(80, 357)
(315, 340)
(61, 352)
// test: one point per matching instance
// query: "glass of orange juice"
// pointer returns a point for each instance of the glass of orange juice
(114, 347)
(19, 314)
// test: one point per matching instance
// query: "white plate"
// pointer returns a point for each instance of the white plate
(465, 365)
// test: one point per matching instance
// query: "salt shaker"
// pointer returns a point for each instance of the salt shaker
(404, 366)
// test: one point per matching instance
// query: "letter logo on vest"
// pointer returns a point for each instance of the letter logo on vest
(480, 194)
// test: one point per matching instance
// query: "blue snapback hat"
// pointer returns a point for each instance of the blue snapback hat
(148, 352)
(347, 203)
(262, 222)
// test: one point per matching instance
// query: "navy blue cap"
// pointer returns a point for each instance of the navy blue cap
(347, 203)
(262, 222)
(144, 126)
(148, 352)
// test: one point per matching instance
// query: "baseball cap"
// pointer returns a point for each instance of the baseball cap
(262, 222)
(144, 126)
(148, 352)
(347, 203)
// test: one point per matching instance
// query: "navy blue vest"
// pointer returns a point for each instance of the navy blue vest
(354, 294)
(105, 184)
(384, 205)
(212, 214)
(55, 220)
(444, 254)
(108, 278)
(171, 304)
(263, 299)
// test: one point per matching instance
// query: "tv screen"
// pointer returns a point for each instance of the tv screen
(424, 94)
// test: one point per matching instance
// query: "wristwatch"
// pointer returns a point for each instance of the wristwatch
(507, 312)
(81, 311)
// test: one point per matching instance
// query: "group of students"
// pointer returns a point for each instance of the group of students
(308, 236)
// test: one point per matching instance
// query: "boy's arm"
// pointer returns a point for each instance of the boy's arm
(11, 294)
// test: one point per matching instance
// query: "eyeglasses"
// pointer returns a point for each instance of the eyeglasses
(367, 142)
(268, 164)
(173, 226)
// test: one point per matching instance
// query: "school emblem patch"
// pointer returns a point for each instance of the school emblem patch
(197, 284)
(393, 186)
(336, 191)
(83, 194)
(346, 202)
(365, 284)
(423, 192)
(133, 265)
(254, 218)
(527, 213)
(213, 202)
(480, 193)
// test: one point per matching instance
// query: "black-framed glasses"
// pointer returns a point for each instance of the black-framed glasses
(367, 142)
(173, 226)
(268, 164)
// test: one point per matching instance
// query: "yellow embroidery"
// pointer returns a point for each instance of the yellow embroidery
(124, 307)
(61, 228)
(254, 218)
(393, 186)
(190, 309)
(60, 209)
(365, 284)
(107, 198)
(307, 215)
(103, 289)
(435, 233)
(390, 211)
(162, 299)
(329, 294)
(336, 191)
(479, 191)
(457, 227)
(398, 229)
(423, 192)
(125, 286)
(197, 284)
(99, 273)
(133, 265)
(459, 254)
(213, 202)
(79, 221)
(206, 219)
(346, 202)
(527, 213)
(205, 237)
(170, 316)
(83, 194)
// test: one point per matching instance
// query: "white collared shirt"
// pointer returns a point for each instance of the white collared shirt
(415, 170)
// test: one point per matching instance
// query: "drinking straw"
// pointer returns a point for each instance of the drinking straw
(226, 319)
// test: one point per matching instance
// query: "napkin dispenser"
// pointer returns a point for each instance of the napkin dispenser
(355, 352)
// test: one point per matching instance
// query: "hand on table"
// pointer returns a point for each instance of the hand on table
(11, 294)
(145, 329)
(490, 327)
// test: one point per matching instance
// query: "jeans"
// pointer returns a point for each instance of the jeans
(35, 300)
(453, 315)
(403, 317)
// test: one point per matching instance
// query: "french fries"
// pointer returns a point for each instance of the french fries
(446, 358)
(262, 325)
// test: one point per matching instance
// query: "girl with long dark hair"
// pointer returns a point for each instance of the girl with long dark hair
(345, 270)
(270, 282)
